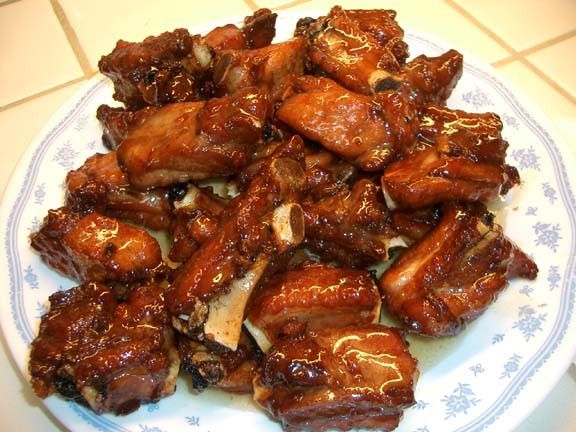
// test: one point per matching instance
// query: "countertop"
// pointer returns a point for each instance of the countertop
(49, 49)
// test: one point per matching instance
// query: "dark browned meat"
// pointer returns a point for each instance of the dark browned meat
(96, 248)
(351, 227)
(194, 140)
(272, 68)
(413, 224)
(196, 218)
(212, 364)
(453, 274)
(257, 227)
(107, 355)
(353, 377)
(312, 296)
(100, 185)
(117, 122)
(367, 131)
(259, 29)
(353, 51)
(159, 70)
(326, 174)
(460, 157)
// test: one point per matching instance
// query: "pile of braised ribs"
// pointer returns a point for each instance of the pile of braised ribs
(283, 175)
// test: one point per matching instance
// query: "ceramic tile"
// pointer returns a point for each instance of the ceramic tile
(99, 24)
(21, 124)
(281, 4)
(557, 61)
(559, 110)
(35, 52)
(440, 20)
(508, 19)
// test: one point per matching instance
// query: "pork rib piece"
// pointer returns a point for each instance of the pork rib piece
(453, 274)
(338, 378)
(100, 185)
(351, 226)
(194, 140)
(177, 66)
(107, 355)
(257, 228)
(461, 157)
(97, 248)
(311, 296)
(367, 131)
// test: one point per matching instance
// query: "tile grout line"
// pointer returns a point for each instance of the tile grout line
(8, 2)
(72, 38)
(543, 45)
(252, 5)
(43, 93)
(548, 80)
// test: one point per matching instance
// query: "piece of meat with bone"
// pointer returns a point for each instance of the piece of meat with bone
(117, 122)
(257, 228)
(454, 273)
(460, 157)
(359, 377)
(311, 296)
(97, 248)
(100, 185)
(196, 218)
(107, 355)
(194, 140)
(351, 227)
(211, 364)
(177, 66)
(347, 46)
(272, 68)
(367, 131)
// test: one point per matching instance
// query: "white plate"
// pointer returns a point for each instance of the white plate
(488, 378)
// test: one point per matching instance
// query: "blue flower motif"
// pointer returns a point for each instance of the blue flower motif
(34, 225)
(65, 156)
(548, 235)
(478, 98)
(460, 400)
(477, 368)
(422, 429)
(527, 290)
(81, 122)
(554, 277)
(529, 322)
(549, 192)
(420, 405)
(497, 338)
(30, 277)
(511, 366)
(527, 158)
(40, 193)
(92, 145)
(193, 421)
(511, 121)
(145, 428)
(531, 211)
(41, 309)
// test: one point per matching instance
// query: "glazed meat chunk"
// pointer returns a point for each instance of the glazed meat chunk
(460, 157)
(257, 228)
(106, 355)
(338, 379)
(453, 274)
(351, 227)
(351, 47)
(100, 185)
(210, 364)
(272, 68)
(367, 131)
(194, 140)
(312, 296)
(117, 122)
(96, 248)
